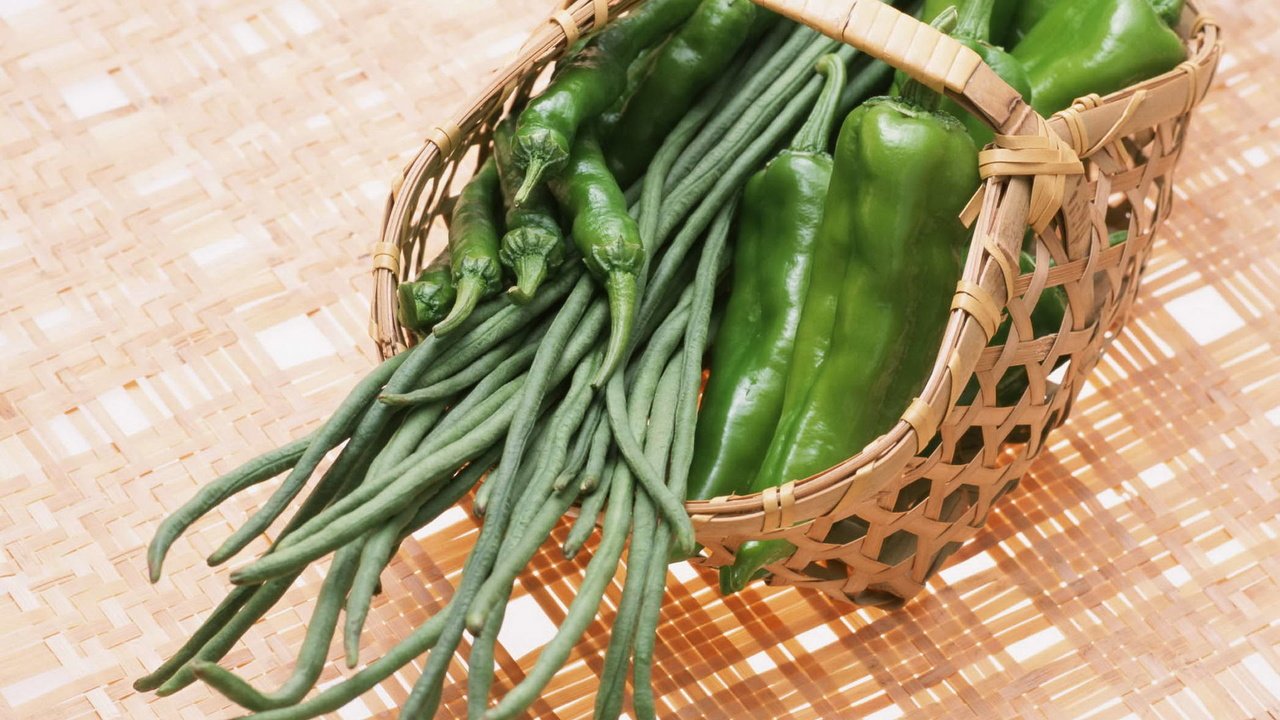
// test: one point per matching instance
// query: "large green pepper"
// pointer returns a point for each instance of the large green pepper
(974, 30)
(1097, 46)
(884, 271)
(695, 56)
(1030, 13)
(781, 211)
(1033, 11)
(996, 30)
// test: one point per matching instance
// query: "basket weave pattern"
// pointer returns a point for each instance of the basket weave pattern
(875, 528)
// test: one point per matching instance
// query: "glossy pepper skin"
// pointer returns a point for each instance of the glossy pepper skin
(886, 267)
(973, 29)
(425, 301)
(781, 211)
(534, 244)
(1033, 11)
(474, 236)
(606, 235)
(587, 86)
(694, 57)
(1003, 15)
(1096, 46)
(1030, 13)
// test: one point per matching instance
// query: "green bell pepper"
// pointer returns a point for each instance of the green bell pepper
(781, 210)
(1098, 46)
(695, 56)
(886, 262)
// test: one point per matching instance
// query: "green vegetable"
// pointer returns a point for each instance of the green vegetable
(885, 266)
(1033, 11)
(600, 571)
(1001, 20)
(682, 67)
(474, 234)
(315, 646)
(426, 301)
(1097, 46)
(587, 85)
(782, 210)
(1030, 13)
(606, 235)
(533, 244)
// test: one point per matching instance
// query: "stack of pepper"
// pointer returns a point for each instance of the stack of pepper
(830, 333)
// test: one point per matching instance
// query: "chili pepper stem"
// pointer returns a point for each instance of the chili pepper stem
(621, 289)
(470, 290)
(752, 557)
(530, 271)
(533, 172)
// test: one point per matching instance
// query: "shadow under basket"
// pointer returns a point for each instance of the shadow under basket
(875, 528)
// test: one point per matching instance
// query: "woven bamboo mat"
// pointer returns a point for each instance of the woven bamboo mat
(187, 197)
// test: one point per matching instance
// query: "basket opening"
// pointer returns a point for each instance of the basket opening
(912, 494)
(851, 529)
(827, 570)
(898, 547)
(958, 502)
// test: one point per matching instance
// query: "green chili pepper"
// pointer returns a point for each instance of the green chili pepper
(781, 212)
(697, 54)
(1098, 46)
(885, 266)
(425, 301)
(533, 244)
(973, 29)
(606, 235)
(587, 86)
(473, 245)
(1001, 23)
(636, 73)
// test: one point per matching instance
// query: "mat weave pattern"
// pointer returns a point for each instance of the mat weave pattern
(187, 198)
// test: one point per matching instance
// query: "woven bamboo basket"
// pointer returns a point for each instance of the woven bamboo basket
(876, 527)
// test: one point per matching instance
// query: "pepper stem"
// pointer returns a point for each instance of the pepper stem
(975, 20)
(916, 92)
(530, 271)
(470, 288)
(816, 133)
(753, 556)
(621, 289)
(532, 176)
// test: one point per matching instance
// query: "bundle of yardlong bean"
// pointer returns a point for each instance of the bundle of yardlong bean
(578, 389)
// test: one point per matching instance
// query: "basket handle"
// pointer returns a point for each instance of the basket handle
(933, 58)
